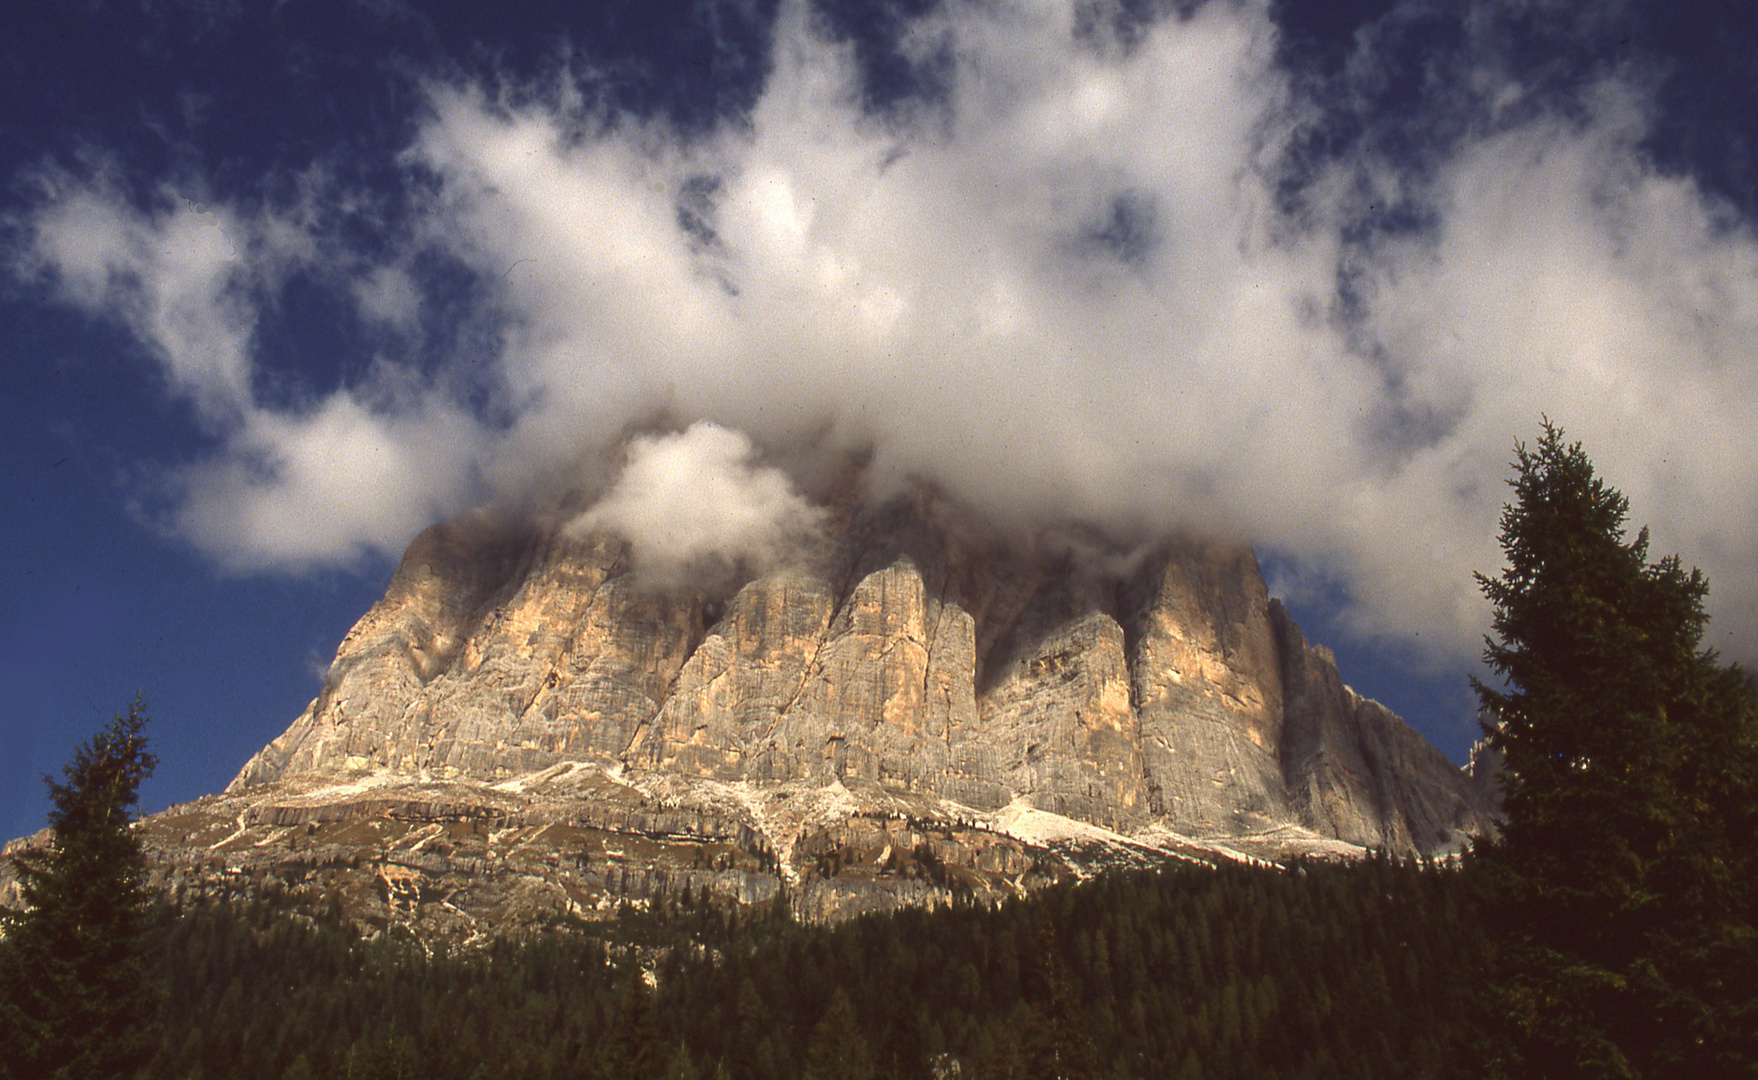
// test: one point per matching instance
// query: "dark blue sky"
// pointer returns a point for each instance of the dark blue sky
(122, 575)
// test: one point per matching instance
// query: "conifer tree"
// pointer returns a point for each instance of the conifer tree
(1622, 885)
(839, 1051)
(632, 1052)
(75, 999)
(1058, 1048)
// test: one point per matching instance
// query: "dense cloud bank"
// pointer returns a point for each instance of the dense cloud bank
(1083, 280)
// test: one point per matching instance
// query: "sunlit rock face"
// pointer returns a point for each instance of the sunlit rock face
(913, 711)
(1156, 689)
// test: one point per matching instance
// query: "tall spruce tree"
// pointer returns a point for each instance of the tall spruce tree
(75, 998)
(1623, 883)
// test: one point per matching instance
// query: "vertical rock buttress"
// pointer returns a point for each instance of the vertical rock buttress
(912, 650)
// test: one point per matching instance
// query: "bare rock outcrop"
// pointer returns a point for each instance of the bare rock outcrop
(1130, 690)
(915, 711)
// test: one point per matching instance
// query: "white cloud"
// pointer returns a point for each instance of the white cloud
(1069, 289)
(697, 504)
(325, 487)
(1569, 276)
(389, 295)
(179, 277)
(357, 470)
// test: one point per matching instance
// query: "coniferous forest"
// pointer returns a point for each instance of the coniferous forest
(1327, 970)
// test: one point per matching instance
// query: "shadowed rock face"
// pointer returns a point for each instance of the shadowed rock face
(909, 651)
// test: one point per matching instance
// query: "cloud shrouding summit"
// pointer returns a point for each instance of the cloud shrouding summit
(1074, 286)
(696, 507)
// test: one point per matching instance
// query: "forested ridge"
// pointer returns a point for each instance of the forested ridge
(1323, 970)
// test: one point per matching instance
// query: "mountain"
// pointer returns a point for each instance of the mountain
(911, 708)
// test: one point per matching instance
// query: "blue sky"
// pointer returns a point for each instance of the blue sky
(282, 284)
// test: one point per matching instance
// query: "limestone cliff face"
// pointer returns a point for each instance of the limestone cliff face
(909, 652)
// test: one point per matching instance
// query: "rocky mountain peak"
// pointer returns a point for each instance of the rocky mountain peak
(1159, 687)
(909, 709)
